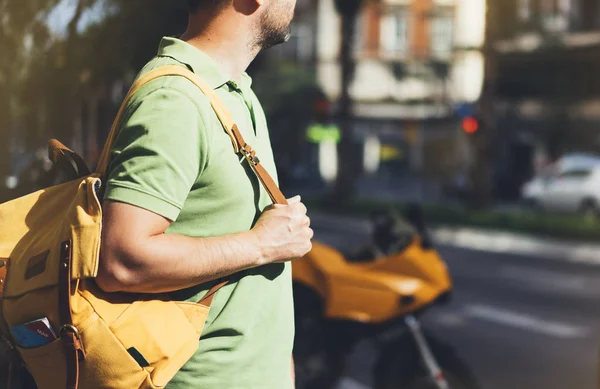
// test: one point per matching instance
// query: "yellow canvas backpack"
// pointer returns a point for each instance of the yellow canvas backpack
(49, 254)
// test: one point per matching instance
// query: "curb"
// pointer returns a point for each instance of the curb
(511, 243)
(481, 240)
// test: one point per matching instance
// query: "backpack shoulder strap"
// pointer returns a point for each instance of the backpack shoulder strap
(237, 140)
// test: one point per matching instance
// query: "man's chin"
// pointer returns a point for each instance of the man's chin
(276, 42)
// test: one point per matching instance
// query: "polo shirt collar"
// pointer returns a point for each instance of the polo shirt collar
(200, 63)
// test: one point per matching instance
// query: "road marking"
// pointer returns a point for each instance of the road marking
(349, 383)
(448, 319)
(526, 322)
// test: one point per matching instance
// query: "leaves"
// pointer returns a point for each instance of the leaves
(44, 78)
(47, 80)
(287, 94)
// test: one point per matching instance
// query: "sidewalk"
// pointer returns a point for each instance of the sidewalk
(481, 239)
(512, 243)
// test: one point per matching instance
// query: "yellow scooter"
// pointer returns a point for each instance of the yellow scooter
(377, 293)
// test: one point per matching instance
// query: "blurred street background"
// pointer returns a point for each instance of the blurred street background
(486, 113)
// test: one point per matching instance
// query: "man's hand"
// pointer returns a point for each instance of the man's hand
(283, 232)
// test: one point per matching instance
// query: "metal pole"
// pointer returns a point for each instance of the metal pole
(435, 373)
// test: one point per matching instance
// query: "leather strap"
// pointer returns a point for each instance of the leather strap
(68, 334)
(210, 295)
(169, 70)
(3, 272)
(13, 361)
(264, 177)
(12, 372)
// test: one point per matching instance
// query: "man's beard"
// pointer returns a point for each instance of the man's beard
(272, 31)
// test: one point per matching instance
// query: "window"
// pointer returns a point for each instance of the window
(565, 10)
(585, 15)
(524, 11)
(564, 7)
(576, 173)
(395, 36)
(555, 15)
(441, 35)
(358, 40)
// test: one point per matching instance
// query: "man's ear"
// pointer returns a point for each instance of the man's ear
(247, 7)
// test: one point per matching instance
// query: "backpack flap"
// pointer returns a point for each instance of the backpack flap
(33, 228)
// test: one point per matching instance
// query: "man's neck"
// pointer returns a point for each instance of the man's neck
(225, 40)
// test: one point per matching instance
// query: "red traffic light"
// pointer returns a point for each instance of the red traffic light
(470, 125)
(322, 106)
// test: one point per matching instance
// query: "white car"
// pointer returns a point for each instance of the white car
(572, 184)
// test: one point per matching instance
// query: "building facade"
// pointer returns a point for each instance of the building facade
(545, 56)
(416, 60)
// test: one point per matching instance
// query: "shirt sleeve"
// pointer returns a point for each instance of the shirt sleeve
(157, 155)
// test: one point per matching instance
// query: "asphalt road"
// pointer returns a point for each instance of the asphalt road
(520, 322)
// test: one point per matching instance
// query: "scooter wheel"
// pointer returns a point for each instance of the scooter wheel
(400, 367)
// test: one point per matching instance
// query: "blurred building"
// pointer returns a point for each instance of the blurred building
(545, 56)
(416, 61)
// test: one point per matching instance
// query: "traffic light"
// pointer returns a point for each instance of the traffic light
(321, 106)
(470, 125)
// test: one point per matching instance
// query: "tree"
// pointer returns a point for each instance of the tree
(23, 36)
(111, 51)
(499, 19)
(289, 109)
(48, 82)
(67, 77)
(348, 10)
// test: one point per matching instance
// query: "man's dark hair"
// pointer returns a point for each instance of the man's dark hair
(194, 5)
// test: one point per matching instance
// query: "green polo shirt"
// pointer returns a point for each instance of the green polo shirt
(172, 157)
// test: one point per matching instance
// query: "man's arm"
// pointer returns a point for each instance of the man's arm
(155, 167)
(138, 257)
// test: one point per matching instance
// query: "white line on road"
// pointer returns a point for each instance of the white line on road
(448, 319)
(526, 322)
(349, 383)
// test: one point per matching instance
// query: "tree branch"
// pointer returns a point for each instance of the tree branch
(72, 26)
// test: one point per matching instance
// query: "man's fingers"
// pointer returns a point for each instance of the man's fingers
(306, 221)
(294, 200)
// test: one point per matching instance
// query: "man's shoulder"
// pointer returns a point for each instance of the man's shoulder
(181, 87)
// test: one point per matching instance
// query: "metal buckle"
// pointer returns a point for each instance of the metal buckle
(69, 328)
(247, 154)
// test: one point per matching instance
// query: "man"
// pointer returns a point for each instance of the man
(183, 211)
